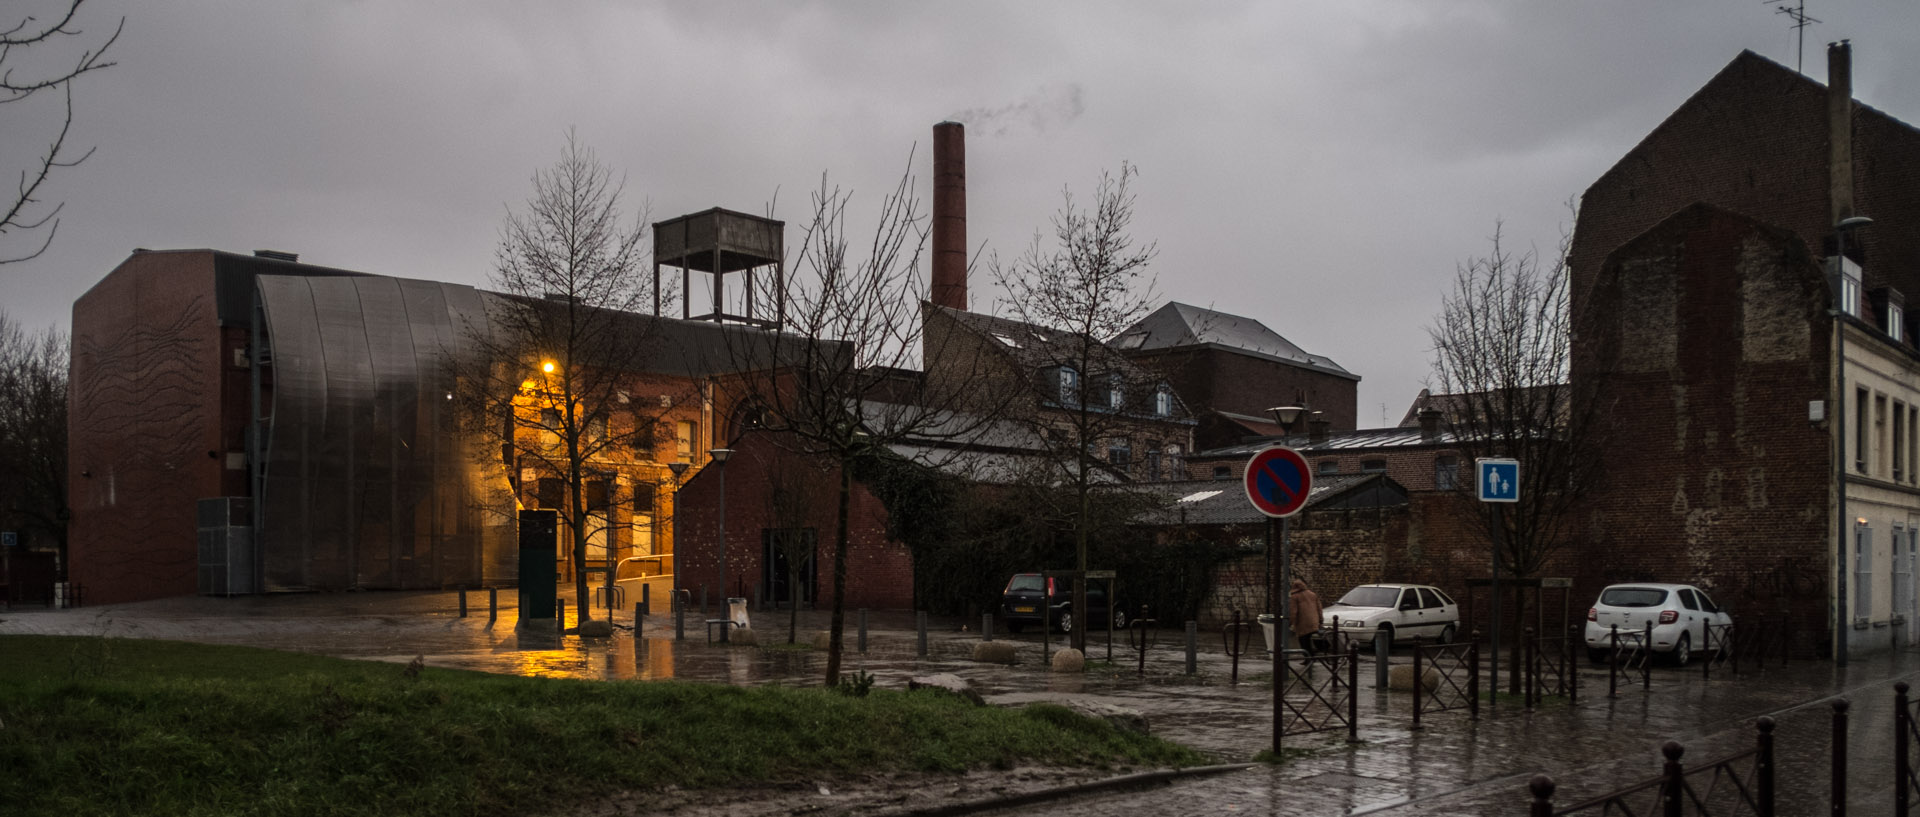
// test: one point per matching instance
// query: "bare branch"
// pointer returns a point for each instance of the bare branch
(19, 213)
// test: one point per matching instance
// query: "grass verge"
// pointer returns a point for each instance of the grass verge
(116, 726)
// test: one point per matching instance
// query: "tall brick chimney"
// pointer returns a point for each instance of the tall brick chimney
(950, 215)
(1840, 131)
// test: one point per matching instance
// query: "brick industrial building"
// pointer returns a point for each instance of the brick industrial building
(1701, 265)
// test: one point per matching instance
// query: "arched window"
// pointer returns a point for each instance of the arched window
(1446, 473)
(1327, 467)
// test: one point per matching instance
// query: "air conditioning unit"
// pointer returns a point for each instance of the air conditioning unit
(226, 546)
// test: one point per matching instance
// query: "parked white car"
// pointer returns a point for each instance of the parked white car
(1395, 611)
(1681, 614)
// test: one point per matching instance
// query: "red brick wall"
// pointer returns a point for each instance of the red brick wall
(146, 432)
(1223, 381)
(1717, 478)
(879, 571)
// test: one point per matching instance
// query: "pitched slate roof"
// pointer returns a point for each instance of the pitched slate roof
(1178, 325)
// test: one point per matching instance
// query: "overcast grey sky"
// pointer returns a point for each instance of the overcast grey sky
(1318, 166)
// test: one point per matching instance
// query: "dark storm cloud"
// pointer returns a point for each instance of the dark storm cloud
(1318, 167)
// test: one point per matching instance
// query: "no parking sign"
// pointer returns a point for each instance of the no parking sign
(1278, 481)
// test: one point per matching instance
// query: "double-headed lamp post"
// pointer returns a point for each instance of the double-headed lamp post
(720, 456)
(1841, 310)
(678, 469)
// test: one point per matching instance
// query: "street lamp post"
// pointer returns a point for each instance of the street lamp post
(1840, 311)
(720, 456)
(1281, 610)
(678, 469)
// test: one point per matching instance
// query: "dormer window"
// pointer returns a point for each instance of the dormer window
(1891, 308)
(1163, 402)
(1849, 286)
(1069, 385)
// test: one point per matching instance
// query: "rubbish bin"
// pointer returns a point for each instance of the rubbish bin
(737, 613)
(1266, 629)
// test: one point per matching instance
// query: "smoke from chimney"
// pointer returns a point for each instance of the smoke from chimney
(950, 215)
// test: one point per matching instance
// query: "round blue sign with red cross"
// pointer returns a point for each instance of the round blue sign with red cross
(1278, 481)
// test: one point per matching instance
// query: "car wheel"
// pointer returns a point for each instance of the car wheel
(1013, 627)
(1599, 655)
(1683, 650)
(1447, 633)
(1066, 622)
(1119, 620)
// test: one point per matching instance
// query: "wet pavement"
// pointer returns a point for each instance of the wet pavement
(1454, 766)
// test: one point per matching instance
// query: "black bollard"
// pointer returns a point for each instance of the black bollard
(463, 602)
(920, 623)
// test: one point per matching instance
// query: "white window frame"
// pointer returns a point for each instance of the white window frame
(1862, 572)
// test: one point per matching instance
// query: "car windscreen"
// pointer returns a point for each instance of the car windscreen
(1633, 597)
(1032, 583)
(1371, 597)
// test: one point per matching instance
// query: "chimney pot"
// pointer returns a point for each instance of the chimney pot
(1429, 425)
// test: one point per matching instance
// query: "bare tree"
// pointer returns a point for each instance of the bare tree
(1500, 373)
(1089, 286)
(551, 378)
(26, 41)
(841, 392)
(33, 434)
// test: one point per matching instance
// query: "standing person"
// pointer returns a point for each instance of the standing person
(1303, 610)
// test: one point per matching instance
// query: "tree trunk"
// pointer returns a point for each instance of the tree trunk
(839, 573)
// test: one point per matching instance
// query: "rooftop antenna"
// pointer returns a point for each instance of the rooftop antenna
(1798, 14)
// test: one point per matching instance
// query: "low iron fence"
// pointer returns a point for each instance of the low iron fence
(1454, 670)
(1738, 784)
(1318, 694)
(1551, 667)
(1906, 733)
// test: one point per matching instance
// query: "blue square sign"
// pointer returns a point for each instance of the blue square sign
(1498, 480)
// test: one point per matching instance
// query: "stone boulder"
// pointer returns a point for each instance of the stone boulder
(1400, 677)
(947, 682)
(593, 628)
(822, 639)
(1069, 660)
(743, 637)
(1122, 718)
(994, 652)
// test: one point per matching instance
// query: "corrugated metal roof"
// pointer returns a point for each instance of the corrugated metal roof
(1368, 438)
(1224, 502)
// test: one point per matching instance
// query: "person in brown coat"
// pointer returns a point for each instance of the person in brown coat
(1303, 614)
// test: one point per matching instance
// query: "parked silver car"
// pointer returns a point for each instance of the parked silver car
(1685, 620)
(1395, 611)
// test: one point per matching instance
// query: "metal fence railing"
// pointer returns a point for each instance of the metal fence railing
(1455, 673)
(1738, 784)
(1318, 694)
